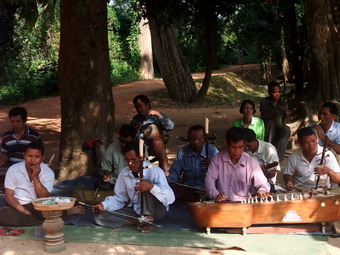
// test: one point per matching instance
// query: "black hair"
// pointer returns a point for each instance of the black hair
(142, 98)
(235, 134)
(131, 146)
(196, 128)
(333, 109)
(127, 131)
(18, 111)
(243, 104)
(306, 131)
(36, 145)
(249, 134)
(273, 84)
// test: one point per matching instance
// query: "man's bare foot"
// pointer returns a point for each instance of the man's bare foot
(77, 209)
(144, 227)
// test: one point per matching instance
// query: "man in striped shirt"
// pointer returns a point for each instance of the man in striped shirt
(15, 140)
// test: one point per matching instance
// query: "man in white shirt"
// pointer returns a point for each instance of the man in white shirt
(117, 210)
(304, 166)
(265, 153)
(24, 182)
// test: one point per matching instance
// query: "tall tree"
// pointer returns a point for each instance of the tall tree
(87, 109)
(323, 26)
(145, 45)
(174, 69)
(7, 21)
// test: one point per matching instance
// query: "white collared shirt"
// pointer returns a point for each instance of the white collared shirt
(303, 171)
(266, 153)
(125, 193)
(17, 179)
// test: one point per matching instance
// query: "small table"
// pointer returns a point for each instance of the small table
(53, 223)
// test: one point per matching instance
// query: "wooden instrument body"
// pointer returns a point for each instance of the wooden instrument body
(228, 215)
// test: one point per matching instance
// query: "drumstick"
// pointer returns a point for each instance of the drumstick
(322, 158)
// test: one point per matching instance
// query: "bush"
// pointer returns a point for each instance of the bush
(121, 72)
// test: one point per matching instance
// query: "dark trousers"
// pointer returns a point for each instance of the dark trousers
(10, 217)
(152, 207)
(277, 136)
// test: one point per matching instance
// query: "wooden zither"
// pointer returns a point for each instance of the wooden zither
(282, 208)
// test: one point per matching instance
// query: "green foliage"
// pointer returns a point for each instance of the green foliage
(123, 43)
(31, 69)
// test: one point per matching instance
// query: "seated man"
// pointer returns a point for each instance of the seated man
(114, 159)
(234, 175)
(15, 140)
(26, 181)
(303, 166)
(275, 114)
(116, 211)
(328, 114)
(145, 117)
(190, 165)
(265, 153)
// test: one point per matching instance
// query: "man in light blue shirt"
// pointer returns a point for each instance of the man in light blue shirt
(328, 114)
(190, 165)
(117, 210)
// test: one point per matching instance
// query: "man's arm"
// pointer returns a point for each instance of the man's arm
(211, 177)
(39, 188)
(13, 202)
(321, 170)
(289, 181)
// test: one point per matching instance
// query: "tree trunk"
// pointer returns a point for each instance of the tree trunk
(296, 47)
(211, 59)
(173, 67)
(7, 21)
(322, 21)
(279, 38)
(144, 42)
(87, 109)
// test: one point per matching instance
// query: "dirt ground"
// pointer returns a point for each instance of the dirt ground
(44, 116)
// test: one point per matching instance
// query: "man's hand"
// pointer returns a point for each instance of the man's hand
(205, 163)
(290, 186)
(318, 129)
(35, 170)
(97, 207)
(143, 186)
(262, 193)
(221, 197)
(153, 112)
(321, 170)
(106, 178)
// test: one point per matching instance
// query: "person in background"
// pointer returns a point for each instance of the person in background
(248, 120)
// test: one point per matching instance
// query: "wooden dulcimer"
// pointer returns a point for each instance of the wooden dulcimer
(283, 208)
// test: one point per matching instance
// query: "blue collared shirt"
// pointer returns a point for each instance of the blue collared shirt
(333, 133)
(188, 164)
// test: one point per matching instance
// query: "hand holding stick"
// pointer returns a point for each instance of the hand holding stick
(322, 158)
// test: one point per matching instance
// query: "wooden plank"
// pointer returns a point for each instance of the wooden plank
(272, 229)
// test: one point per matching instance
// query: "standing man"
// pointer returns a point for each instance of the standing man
(145, 117)
(114, 159)
(115, 210)
(304, 166)
(190, 165)
(266, 154)
(328, 114)
(15, 140)
(275, 114)
(234, 175)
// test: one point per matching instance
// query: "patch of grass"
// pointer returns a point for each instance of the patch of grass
(229, 90)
